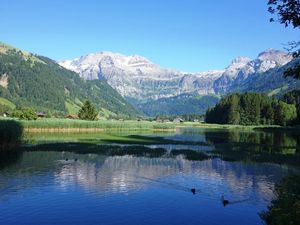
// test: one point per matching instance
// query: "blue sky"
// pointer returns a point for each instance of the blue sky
(188, 35)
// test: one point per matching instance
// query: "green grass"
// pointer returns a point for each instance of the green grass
(107, 113)
(72, 107)
(4, 48)
(78, 102)
(62, 123)
(8, 103)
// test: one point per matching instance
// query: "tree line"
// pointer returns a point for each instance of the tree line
(87, 112)
(252, 109)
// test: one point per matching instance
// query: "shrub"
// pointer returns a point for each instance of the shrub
(25, 114)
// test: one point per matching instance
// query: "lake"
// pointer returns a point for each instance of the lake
(140, 178)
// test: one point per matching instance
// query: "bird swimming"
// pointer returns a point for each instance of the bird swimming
(224, 201)
(193, 190)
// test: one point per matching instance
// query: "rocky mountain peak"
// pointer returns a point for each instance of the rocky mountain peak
(236, 65)
(137, 77)
(138, 60)
(275, 56)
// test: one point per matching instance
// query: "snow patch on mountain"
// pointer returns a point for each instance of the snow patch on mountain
(139, 78)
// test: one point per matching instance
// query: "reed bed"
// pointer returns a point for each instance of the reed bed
(83, 125)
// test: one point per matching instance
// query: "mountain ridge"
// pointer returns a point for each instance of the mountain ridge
(151, 88)
(146, 80)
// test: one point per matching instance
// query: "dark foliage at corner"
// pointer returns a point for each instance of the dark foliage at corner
(285, 208)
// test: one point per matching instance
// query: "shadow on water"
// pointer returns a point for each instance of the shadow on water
(10, 137)
(8, 158)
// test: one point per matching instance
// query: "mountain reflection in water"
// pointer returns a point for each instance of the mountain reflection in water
(113, 174)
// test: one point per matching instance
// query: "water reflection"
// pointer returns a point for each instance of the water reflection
(132, 184)
(268, 140)
(96, 173)
(231, 144)
(258, 146)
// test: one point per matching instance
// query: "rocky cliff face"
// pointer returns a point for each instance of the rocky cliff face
(223, 83)
(137, 77)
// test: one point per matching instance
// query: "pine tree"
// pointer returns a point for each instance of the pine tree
(88, 111)
(234, 114)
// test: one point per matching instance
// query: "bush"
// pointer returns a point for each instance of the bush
(25, 114)
(4, 109)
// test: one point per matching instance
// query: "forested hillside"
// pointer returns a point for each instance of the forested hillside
(251, 109)
(178, 105)
(271, 81)
(39, 82)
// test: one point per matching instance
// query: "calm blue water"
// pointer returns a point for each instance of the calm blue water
(41, 188)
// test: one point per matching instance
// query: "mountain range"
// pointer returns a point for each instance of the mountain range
(129, 86)
(156, 90)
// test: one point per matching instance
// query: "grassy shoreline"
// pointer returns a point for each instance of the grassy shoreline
(53, 125)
